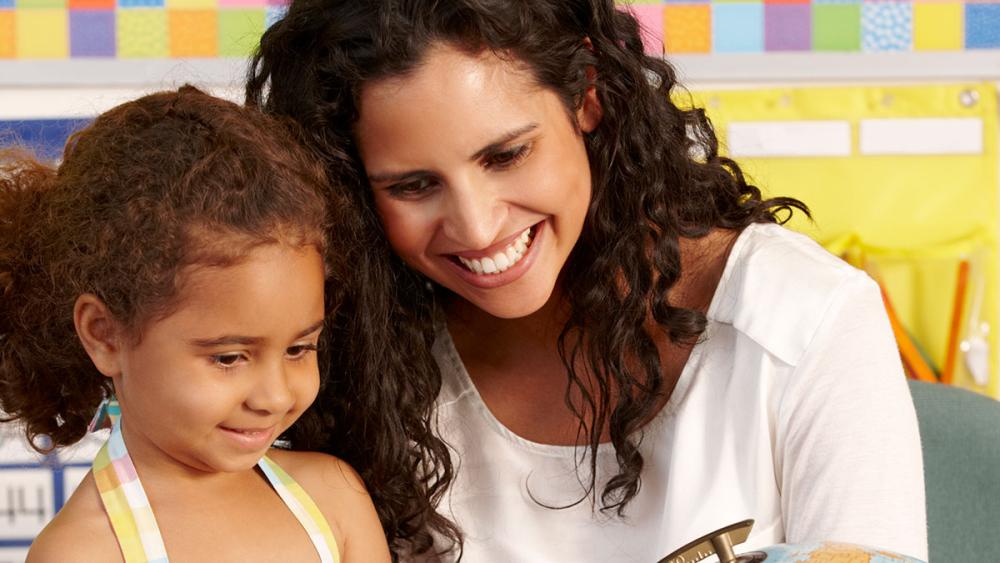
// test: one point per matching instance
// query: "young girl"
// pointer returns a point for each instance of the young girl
(176, 262)
(621, 347)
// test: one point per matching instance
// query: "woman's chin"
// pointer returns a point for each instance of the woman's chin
(508, 304)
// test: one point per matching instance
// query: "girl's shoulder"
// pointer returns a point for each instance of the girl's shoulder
(340, 494)
(79, 532)
(323, 472)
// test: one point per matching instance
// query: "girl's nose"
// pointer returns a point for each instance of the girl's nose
(473, 215)
(271, 392)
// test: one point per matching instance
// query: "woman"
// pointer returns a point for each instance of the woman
(567, 285)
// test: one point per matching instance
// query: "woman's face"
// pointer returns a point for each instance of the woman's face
(479, 175)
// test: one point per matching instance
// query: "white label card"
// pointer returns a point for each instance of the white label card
(789, 138)
(921, 136)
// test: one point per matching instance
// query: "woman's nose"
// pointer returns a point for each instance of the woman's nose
(473, 216)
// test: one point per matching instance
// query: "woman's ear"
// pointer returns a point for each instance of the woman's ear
(99, 333)
(590, 112)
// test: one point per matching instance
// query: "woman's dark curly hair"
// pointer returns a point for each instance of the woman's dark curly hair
(153, 186)
(657, 177)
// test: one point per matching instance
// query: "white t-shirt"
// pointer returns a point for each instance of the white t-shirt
(793, 411)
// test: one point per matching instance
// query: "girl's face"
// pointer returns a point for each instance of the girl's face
(213, 384)
(480, 176)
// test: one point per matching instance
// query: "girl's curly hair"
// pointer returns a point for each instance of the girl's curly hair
(153, 186)
(657, 177)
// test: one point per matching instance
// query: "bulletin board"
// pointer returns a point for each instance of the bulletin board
(133, 29)
(752, 26)
(34, 487)
(901, 181)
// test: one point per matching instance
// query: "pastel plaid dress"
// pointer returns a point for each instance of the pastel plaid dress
(135, 526)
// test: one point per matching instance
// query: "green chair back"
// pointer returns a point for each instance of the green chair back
(960, 435)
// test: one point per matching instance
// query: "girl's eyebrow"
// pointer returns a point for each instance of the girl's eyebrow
(493, 146)
(231, 339)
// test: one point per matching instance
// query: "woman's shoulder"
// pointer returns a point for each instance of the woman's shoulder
(79, 532)
(772, 250)
(340, 494)
(780, 285)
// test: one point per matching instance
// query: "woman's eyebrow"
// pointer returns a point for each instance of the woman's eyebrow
(312, 328)
(493, 146)
(503, 140)
(398, 176)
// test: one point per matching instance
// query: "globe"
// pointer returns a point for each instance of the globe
(826, 552)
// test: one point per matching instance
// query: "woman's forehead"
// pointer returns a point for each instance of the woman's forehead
(470, 99)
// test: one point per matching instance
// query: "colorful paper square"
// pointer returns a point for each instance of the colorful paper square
(242, 3)
(91, 4)
(738, 27)
(274, 14)
(41, 34)
(787, 27)
(41, 4)
(192, 4)
(937, 26)
(886, 26)
(142, 33)
(982, 26)
(5, 4)
(8, 36)
(140, 3)
(836, 27)
(650, 18)
(239, 32)
(92, 33)
(687, 28)
(193, 33)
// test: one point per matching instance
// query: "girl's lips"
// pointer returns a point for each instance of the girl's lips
(250, 438)
(510, 275)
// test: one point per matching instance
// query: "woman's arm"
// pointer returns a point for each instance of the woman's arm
(848, 455)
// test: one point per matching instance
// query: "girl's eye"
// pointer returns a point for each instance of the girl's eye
(508, 158)
(412, 189)
(227, 361)
(300, 351)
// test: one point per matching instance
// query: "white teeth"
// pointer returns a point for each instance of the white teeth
(503, 260)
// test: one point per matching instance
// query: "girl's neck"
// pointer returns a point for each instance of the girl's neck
(159, 471)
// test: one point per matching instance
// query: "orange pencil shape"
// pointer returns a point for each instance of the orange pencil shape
(914, 363)
(948, 371)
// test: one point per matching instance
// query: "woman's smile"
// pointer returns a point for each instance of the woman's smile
(503, 263)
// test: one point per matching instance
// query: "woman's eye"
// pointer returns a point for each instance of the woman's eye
(508, 158)
(413, 188)
(300, 351)
(227, 360)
